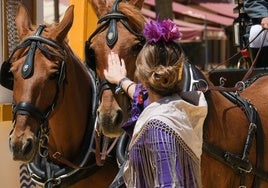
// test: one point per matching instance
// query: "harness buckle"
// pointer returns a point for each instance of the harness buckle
(246, 170)
(57, 155)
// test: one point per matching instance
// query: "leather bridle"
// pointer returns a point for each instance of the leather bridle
(109, 21)
(35, 41)
(52, 174)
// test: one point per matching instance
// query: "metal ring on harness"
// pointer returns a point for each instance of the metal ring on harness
(240, 85)
(200, 88)
(222, 81)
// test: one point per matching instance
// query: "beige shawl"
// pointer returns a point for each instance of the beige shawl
(184, 118)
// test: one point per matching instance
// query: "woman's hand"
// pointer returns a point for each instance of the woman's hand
(116, 69)
(264, 23)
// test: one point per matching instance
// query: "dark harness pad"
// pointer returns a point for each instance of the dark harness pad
(6, 77)
(191, 77)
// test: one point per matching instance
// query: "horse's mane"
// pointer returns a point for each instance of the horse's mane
(135, 17)
(65, 45)
(70, 52)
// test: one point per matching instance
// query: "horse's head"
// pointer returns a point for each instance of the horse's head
(37, 68)
(119, 29)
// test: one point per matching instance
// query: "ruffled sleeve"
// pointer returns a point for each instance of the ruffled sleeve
(139, 102)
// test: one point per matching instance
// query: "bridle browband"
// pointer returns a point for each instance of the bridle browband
(110, 21)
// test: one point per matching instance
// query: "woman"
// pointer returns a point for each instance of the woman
(166, 142)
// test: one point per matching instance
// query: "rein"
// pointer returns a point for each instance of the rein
(241, 163)
(240, 85)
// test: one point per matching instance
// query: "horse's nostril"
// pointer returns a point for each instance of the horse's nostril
(119, 117)
(27, 146)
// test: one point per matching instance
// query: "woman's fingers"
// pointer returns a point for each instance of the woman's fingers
(115, 59)
(116, 66)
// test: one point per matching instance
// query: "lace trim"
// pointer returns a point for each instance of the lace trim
(155, 123)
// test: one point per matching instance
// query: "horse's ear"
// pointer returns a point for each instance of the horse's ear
(65, 24)
(23, 21)
(137, 3)
(99, 7)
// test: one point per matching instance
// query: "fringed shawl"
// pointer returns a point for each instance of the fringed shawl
(166, 145)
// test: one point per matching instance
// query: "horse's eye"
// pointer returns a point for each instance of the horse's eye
(54, 75)
(137, 47)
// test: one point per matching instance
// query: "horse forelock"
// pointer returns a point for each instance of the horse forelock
(133, 13)
(135, 17)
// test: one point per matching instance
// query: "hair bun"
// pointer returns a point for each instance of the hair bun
(163, 78)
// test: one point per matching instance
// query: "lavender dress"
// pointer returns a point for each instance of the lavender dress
(160, 161)
(160, 157)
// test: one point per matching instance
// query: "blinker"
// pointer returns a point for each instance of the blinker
(6, 77)
(112, 33)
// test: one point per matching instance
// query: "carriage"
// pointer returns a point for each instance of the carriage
(62, 107)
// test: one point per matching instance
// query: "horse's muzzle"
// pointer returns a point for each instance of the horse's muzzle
(22, 147)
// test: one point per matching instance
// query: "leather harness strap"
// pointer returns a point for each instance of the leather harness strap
(97, 137)
(241, 163)
(61, 159)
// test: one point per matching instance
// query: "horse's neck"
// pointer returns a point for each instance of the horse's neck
(69, 121)
(222, 116)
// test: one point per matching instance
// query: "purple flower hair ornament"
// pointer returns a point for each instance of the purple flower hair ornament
(165, 30)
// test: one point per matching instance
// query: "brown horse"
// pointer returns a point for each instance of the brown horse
(237, 151)
(233, 149)
(53, 107)
(121, 24)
